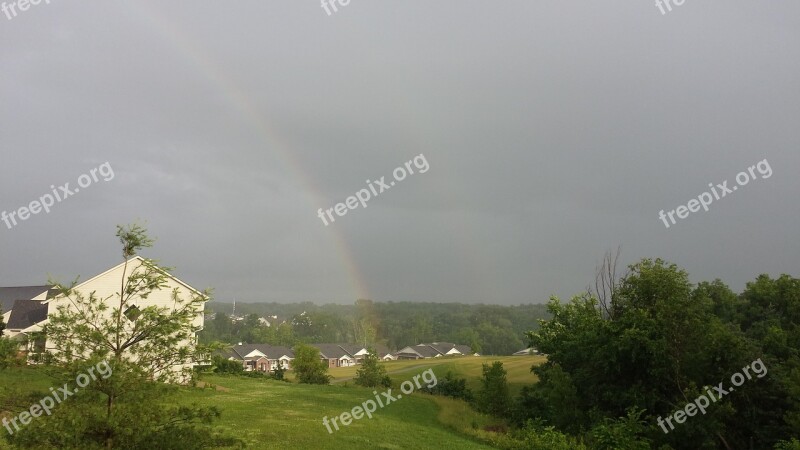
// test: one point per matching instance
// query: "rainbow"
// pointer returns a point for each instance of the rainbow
(239, 102)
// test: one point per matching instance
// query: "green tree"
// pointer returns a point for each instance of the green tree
(309, 367)
(2, 323)
(9, 353)
(372, 373)
(494, 397)
(659, 345)
(280, 372)
(140, 347)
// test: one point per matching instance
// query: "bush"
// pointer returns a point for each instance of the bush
(621, 433)
(223, 365)
(453, 387)
(536, 436)
(9, 353)
(794, 444)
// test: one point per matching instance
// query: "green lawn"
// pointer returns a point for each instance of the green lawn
(469, 367)
(290, 416)
(269, 414)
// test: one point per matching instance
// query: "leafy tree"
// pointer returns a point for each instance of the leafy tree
(494, 397)
(158, 339)
(308, 367)
(139, 346)
(452, 386)
(2, 323)
(280, 372)
(372, 373)
(660, 344)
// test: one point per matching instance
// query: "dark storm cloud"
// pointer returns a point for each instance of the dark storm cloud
(554, 131)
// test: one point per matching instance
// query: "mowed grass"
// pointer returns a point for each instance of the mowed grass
(268, 414)
(272, 414)
(518, 369)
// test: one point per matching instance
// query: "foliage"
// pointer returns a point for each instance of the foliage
(660, 342)
(221, 364)
(9, 353)
(487, 329)
(535, 436)
(494, 397)
(625, 432)
(451, 386)
(115, 327)
(280, 372)
(308, 367)
(372, 373)
(140, 346)
(83, 422)
(794, 444)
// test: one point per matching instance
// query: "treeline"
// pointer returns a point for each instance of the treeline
(633, 366)
(488, 329)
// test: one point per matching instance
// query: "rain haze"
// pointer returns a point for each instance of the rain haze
(552, 132)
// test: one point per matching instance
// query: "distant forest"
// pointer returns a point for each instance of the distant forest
(488, 329)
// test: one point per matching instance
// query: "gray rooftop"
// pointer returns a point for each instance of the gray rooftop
(26, 313)
(8, 295)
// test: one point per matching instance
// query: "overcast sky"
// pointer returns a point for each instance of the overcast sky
(553, 131)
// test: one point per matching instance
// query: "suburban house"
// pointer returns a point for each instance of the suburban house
(265, 357)
(260, 357)
(359, 351)
(335, 355)
(31, 306)
(433, 350)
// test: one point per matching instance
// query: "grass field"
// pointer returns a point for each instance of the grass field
(268, 414)
(469, 367)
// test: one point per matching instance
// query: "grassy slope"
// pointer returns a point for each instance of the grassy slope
(290, 416)
(269, 414)
(274, 415)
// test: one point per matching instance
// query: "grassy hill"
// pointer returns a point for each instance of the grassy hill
(269, 414)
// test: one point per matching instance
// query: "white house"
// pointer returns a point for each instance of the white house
(433, 350)
(30, 315)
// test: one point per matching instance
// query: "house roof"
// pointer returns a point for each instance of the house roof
(9, 295)
(271, 351)
(26, 313)
(141, 261)
(333, 351)
(434, 349)
(426, 350)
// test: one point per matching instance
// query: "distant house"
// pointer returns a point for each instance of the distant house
(265, 357)
(359, 351)
(433, 350)
(260, 357)
(336, 355)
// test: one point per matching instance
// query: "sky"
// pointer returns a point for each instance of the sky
(540, 135)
